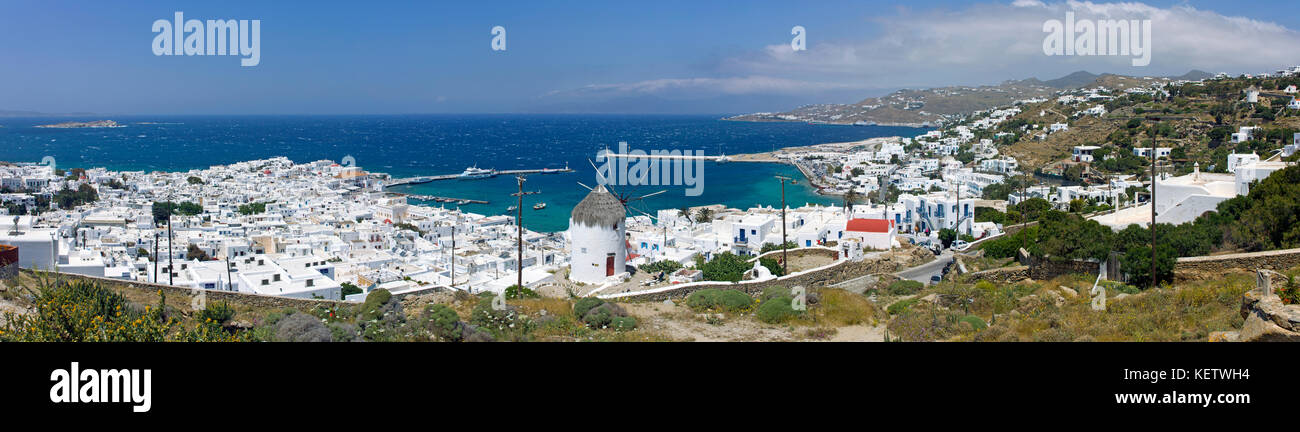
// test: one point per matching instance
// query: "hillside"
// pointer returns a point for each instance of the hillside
(1196, 119)
(944, 104)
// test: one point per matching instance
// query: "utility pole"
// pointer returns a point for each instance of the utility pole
(455, 221)
(957, 190)
(1153, 212)
(785, 262)
(229, 285)
(519, 221)
(155, 254)
(170, 270)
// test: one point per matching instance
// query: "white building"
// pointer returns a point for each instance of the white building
(1239, 159)
(875, 234)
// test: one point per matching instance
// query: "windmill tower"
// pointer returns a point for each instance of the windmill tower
(597, 231)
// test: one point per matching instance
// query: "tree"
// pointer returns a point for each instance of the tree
(194, 253)
(725, 266)
(1033, 208)
(1137, 263)
(705, 215)
(850, 198)
(194, 180)
(947, 236)
(772, 266)
(349, 289)
(768, 247)
(666, 266)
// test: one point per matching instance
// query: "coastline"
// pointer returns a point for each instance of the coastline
(811, 178)
(833, 123)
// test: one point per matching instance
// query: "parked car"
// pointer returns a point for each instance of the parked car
(936, 279)
(960, 245)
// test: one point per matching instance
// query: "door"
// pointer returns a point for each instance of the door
(609, 265)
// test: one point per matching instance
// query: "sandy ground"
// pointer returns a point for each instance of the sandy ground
(859, 333)
(681, 323)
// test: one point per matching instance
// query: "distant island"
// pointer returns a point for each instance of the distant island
(76, 125)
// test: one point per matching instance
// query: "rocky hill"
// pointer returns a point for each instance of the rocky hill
(934, 106)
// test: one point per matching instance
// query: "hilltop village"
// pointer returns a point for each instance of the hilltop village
(325, 230)
(992, 196)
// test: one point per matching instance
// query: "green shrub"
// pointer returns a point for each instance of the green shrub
(772, 266)
(715, 299)
(725, 266)
(603, 316)
(900, 306)
(598, 318)
(975, 322)
(443, 322)
(217, 312)
(776, 310)
(518, 292)
(775, 291)
(703, 299)
(665, 266)
(503, 324)
(735, 300)
(904, 287)
(373, 307)
(623, 323)
(585, 304)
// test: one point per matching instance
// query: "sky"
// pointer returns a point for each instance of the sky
(716, 57)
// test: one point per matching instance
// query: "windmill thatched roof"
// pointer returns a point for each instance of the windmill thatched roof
(599, 208)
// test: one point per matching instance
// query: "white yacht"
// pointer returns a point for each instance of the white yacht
(475, 172)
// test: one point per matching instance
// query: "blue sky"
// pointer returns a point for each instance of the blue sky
(570, 56)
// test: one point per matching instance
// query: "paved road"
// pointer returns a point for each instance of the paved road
(923, 272)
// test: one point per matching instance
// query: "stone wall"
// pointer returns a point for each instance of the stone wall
(1047, 268)
(1213, 267)
(246, 299)
(1005, 275)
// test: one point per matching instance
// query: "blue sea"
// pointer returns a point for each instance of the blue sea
(416, 145)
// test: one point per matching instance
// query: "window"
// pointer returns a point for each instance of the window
(265, 282)
(275, 277)
(311, 282)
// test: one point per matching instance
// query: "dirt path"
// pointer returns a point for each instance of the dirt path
(859, 333)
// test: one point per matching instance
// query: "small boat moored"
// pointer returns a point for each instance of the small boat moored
(539, 206)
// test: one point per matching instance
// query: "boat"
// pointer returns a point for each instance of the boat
(539, 206)
(511, 208)
(475, 172)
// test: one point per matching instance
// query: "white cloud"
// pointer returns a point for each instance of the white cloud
(983, 44)
(715, 86)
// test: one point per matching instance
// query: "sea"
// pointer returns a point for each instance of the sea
(422, 145)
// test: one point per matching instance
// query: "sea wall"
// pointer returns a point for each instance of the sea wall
(246, 299)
